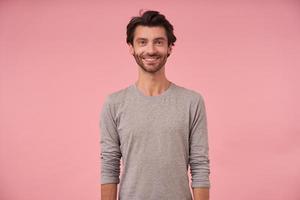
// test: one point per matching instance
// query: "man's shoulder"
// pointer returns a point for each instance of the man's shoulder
(118, 95)
(189, 93)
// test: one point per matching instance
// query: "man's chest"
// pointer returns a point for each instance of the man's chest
(153, 127)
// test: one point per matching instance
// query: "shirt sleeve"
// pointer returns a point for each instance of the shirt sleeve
(110, 145)
(199, 149)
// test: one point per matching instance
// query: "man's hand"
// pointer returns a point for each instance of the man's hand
(109, 191)
(201, 193)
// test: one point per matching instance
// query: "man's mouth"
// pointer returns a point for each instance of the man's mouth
(150, 59)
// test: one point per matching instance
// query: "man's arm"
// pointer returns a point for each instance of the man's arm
(201, 193)
(198, 158)
(110, 151)
(109, 191)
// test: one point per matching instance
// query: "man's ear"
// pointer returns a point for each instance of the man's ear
(131, 50)
(169, 50)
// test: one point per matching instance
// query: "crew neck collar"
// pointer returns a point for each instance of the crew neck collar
(161, 95)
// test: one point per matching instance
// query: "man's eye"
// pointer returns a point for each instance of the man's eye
(159, 42)
(142, 42)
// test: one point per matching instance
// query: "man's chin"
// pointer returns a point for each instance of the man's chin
(151, 69)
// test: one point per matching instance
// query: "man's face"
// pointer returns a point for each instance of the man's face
(150, 48)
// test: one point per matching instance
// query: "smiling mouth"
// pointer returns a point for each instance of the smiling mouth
(150, 59)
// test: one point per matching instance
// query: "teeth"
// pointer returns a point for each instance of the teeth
(150, 59)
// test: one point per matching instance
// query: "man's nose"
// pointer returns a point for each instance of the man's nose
(151, 48)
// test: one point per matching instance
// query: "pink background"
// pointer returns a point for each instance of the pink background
(59, 59)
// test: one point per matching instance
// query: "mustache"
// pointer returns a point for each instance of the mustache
(150, 56)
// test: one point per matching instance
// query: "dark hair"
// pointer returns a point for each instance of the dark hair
(150, 18)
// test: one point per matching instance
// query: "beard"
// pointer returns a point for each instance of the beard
(151, 67)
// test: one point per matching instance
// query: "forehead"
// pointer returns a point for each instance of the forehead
(149, 32)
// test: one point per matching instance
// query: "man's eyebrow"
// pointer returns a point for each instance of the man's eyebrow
(141, 38)
(158, 38)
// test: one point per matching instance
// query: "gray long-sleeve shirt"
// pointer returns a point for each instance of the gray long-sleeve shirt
(157, 138)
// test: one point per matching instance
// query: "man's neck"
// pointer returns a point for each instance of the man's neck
(151, 87)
